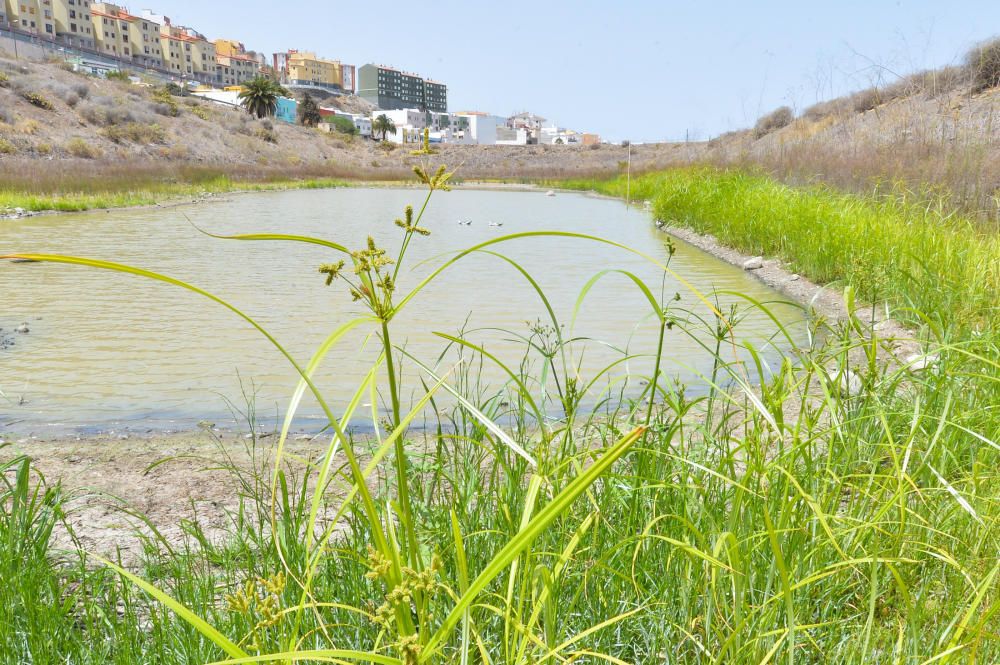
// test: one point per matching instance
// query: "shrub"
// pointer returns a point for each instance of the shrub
(102, 112)
(38, 100)
(80, 148)
(983, 63)
(165, 104)
(865, 100)
(4, 80)
(28, 127)
(134, 132)
(120, 75)
(776, 119)
(82, 90)
(71, 100)
(821, 110)
(6, 117)
(201, 112)
(44, 149)
(266, 135)
(342, 125)
(6, 147)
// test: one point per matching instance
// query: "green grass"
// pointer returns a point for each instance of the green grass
(148, 193)
(766, 518)
(940, 264)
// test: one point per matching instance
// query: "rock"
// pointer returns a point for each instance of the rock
(918, 362)
(846, 381)
(794, 278)
(756, 263)
(23, 329)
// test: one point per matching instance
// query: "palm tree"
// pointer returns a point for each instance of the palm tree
(260, 96)
(384, 126)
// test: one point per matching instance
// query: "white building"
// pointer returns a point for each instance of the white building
(509, 136)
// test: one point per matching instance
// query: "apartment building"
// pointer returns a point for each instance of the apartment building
(121, 34)
(390, 89)
(307, 69)
(35, 17)
(235, 65)
(73, 22)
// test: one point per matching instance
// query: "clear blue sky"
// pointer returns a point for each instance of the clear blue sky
(644, 70)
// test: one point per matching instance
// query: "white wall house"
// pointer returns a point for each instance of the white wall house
(508, 136)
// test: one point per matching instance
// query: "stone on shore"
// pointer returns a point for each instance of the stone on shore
(756, 263)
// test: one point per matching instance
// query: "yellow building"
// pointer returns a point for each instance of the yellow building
(187, 52)
(235, 65)
(116, 32)
(35, 17)
(305, 68)
(73, 24)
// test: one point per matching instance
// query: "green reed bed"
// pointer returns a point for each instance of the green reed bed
(773, 518)
(124, 195)
(944, 266)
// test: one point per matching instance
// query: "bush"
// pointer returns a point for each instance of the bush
(82, 90)
(776, 119)
(983, 63)
(43, 149)
(71, 100)
(134, 132)
(201, 112)
(80, 148)
(38, 100)
(165, 104)
(266, 135)
(342, 125)
(865, 100)
(28, 127)
(120, 75)
(102, 112)
(6, 147)
(4, 80)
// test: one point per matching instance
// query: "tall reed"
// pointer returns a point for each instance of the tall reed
(774, 516)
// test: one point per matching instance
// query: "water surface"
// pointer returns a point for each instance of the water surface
(108, 350)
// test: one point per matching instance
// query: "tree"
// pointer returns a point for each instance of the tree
(309, 111)
(384, 126)
(343, 125)
(260, 96)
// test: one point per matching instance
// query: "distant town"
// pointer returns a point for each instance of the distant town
(100, 38)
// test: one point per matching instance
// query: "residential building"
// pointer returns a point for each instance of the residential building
(235, 65)
(304, 68)
(124, 35)
(73, 23)
(510, 136)
(391, 89)
(187, 52)
(35, 17)
(481, 127)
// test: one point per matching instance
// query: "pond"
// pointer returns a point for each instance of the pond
(107, 350)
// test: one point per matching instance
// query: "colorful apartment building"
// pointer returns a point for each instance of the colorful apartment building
(235, 64)
(124, 35)
(303, 68)
(73, 22)
(35, 17)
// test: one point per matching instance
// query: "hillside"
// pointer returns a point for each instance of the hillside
(94, 126)
(934, 132)
(929, 134)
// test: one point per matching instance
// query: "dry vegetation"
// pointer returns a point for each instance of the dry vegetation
(931, 135)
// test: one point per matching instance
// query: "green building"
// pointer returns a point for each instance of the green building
(391, 89)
